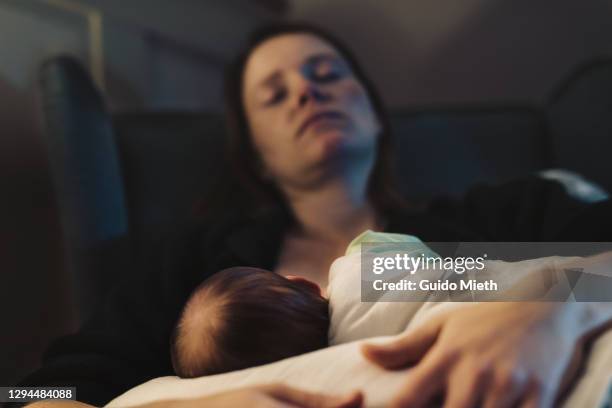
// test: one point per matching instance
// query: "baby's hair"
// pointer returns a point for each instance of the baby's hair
(242, 317)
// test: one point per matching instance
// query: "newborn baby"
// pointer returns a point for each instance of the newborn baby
(243, 317)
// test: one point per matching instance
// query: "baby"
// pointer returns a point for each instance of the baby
(243, 317)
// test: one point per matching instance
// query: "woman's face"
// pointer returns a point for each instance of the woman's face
(308, 114)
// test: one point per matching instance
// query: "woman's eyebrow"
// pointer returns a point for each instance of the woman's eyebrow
(322, 56)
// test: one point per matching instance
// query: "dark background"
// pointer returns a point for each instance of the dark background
(169, 54)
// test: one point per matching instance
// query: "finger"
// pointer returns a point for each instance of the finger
(537, 396)
(409, 348)
(467, 384)
(305, 399)
(531, 401)
(572, 371)
(425, 381)
(506, 390)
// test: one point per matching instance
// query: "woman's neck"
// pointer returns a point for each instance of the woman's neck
(334, 213)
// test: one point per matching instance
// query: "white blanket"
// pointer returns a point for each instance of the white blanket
(342, 368)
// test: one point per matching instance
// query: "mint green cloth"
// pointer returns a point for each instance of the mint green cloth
(381, 237)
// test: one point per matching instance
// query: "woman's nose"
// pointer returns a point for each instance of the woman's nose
(310, 92)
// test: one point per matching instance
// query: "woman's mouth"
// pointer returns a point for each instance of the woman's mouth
(321, 118)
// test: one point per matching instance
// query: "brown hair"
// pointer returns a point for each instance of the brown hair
(243, 317)
(242, 156)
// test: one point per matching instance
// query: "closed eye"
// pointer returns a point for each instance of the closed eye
(326, 69)
(277, 96)
(327, 77)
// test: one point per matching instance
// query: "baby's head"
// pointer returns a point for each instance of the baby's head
(243, 317)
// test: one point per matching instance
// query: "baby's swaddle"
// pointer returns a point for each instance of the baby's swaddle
(351, 319)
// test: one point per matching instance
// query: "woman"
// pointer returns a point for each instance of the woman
(310, 149)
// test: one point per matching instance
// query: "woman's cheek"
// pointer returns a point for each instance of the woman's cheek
(360, 107)
(277, 149)
(262, 130)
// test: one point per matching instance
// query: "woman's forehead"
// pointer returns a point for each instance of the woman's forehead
(282, 52)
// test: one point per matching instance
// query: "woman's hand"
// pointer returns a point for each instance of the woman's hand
(487, 354)
(266, 396)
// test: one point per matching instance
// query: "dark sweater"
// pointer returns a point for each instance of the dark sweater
(126, 342)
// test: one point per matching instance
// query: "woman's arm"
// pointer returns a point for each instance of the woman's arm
(58, 404)
(529, 209)
(592, 317)
(499, 354)
(263, 396)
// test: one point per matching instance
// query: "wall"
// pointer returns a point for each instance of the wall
(169, 55)
(422, 52)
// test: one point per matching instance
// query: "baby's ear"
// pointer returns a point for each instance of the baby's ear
(308, 284)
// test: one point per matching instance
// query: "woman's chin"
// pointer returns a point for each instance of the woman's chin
(338, 143)
(332, 141)
(333, 145)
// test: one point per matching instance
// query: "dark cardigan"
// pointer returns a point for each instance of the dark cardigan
(126, 342)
